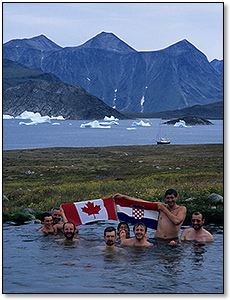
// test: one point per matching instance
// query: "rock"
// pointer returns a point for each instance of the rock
(191, 121)
(37, 221)
(215, 198)
(4, 198)
(189, 200)
(28, 211)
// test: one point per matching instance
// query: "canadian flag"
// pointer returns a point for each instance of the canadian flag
(90, 211)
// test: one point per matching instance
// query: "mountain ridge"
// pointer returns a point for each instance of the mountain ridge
(176, 77)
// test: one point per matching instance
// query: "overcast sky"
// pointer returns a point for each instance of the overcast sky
(144, 26)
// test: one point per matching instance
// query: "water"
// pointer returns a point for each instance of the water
(69, 134)
(34, 263)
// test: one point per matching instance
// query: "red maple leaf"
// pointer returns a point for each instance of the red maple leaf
(90, 209)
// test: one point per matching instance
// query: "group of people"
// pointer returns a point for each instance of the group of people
(171, 218)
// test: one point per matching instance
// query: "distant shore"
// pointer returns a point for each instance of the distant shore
(39, 179)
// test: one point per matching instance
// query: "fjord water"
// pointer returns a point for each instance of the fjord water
(34, 263)
(69, 134)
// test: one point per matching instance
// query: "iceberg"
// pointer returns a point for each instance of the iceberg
(36, 118)
(94, 124)
(60, 118)
(27, 124)
(112, 118)
(7, 117)
(141, 124)
(181, 123)
(108, 123)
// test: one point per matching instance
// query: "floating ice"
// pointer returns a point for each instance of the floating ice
(28, 124)
(181, 123)
(60, 118)
(94, 124)
(54, 124)
(7, 117)
(131, 128)
(36, 118)
(109, 123)
(141, 123)
(112, 118)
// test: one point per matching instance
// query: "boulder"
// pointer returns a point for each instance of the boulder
(215, 198)
(28, 211)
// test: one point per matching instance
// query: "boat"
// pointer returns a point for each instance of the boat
(164, 141)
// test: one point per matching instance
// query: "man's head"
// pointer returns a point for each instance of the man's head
(110, 236)
(56, 214)
(197, 220)
(47, 219)
(69, 230)
(171, 197)
(140, 230)
(123, 226)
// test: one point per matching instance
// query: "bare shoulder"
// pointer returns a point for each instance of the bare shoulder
(182, 208)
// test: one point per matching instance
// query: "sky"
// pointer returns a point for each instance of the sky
(144, 26)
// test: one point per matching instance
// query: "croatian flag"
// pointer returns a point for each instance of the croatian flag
(90, 211)
(136, 211)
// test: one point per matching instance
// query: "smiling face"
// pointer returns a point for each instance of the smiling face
(171, 200)
(139, 232)
(69, 231)
(56, 214)
(48, 221)
(197, 221)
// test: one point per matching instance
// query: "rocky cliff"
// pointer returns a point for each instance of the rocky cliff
(55, 99)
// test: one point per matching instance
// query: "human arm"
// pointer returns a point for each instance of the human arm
(63, 214)
(121, 196)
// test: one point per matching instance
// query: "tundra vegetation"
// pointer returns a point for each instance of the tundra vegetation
(40, 179)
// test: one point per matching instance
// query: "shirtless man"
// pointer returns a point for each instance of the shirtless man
(197, 233)
(171, 216)
(140, 240)
(47, 223)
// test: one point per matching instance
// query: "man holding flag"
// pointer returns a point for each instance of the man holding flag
(171, 216)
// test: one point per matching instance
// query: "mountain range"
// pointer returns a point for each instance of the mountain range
(176, 77)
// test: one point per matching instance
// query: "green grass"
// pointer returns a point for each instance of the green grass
(43, 178)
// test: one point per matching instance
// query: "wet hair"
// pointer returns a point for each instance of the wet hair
(197, 213)
(54, 208)
(46, 214)
(171, 192)
(74, 227)
(139, 224)
(109, 229)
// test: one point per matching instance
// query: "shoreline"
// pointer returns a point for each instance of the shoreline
(43, 178)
